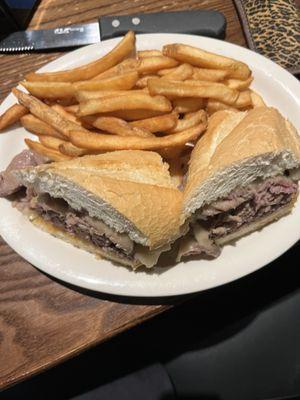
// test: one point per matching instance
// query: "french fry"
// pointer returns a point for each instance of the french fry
(180, 73)
(12, 115)
(46, 113)
(71, 117)
(53, 155)
(88, 71)
(211, 75)
(205, 59)
(244, 99)
(238, 84)
(119, 127)
(38, 127)
(188, 104)
(70, 150)
(134, 115)
(51, 142)
(187, 88)
(256, 99)
(143, 81)
(149, 53)
(119, 82)
(130, 102)
(150, 65)
(213, 106)
(188, 121)
(85, 95)
(130, 64)
(94, 141)
(157, 124)
(127, 115)
(165, 71)
(72, 109)
(50, 90)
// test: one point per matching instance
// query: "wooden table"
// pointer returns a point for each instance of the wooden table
(43, 321)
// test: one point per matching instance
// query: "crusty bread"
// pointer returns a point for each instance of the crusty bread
(258, 224)
(237, 149)
(130, 191)
(79, 242)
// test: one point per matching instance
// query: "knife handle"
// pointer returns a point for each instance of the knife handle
(195, 22)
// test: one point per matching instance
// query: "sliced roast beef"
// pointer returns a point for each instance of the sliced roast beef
(8, 182)
(244, 205)
(82, 225)
(241, 207)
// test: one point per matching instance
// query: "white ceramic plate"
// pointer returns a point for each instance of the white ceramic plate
(279, 89)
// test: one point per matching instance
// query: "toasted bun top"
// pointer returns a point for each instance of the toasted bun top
(131, 191)
(238, 148)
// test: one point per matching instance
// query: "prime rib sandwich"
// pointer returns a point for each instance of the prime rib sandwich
(243, 174)
(121, 205)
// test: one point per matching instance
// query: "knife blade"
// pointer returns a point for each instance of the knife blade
(197, 22)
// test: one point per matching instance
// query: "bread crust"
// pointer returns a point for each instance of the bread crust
(237, 148)
(131, 191)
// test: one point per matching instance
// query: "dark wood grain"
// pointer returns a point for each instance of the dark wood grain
(42, 321)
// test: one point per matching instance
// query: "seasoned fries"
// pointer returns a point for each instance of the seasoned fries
(173, 89)
(205, 59)
(131, 102)
(38, 127)
(50, 90)
(161, 123)
(257, 100)
(244, 99)
(211, 75)
(143, 81)
(148, 100)
(88, 71)
(149, 65)
(188, 121)
(149, 53)
(45, 113)
(135, 115)
(60, 110)
(181, 73)
(238, 84)
(52, 154)
(12, 115)
(118, 82)
(51, 142)
(130, 64)
(188, 104)
(85, 95)
(213, 106)
(70, 150)
(94, 141)
(119, 127)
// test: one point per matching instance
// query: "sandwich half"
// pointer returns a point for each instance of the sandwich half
(121, 205)
(243, 174)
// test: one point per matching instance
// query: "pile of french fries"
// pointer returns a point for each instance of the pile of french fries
(128, 99)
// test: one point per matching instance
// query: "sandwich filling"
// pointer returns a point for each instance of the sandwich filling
(80, 224)
(90, 229)
(240, 208)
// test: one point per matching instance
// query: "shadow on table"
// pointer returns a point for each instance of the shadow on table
(201, 322)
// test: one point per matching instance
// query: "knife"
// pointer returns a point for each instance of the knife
(196, 22)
